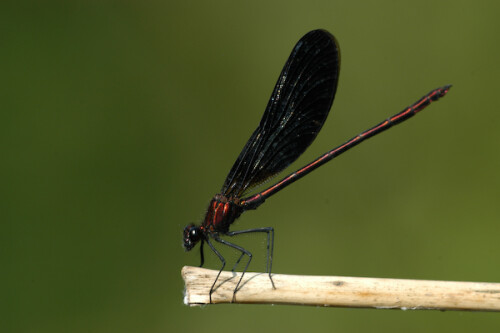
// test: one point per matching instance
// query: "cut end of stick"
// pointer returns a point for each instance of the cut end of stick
(337, 291)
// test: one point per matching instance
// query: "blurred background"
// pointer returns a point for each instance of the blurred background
(121, 119)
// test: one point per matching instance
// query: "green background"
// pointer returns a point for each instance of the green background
(120, 120)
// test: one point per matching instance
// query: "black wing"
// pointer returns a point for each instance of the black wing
(294, 115)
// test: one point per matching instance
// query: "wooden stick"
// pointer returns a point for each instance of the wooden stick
(340, 291)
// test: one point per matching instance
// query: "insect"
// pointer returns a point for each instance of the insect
(297, 110)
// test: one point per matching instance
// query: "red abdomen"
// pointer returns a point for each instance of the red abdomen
(222, 211)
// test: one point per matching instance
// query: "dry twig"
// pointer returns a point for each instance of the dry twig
(340, 291)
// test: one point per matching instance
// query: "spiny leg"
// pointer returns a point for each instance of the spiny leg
(223, 264)
(237, 262)
(239, 248)
(201, 254)
(270, 241)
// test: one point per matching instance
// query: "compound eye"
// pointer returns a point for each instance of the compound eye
(194, 233)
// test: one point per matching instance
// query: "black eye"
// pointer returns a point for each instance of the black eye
(194, 232)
